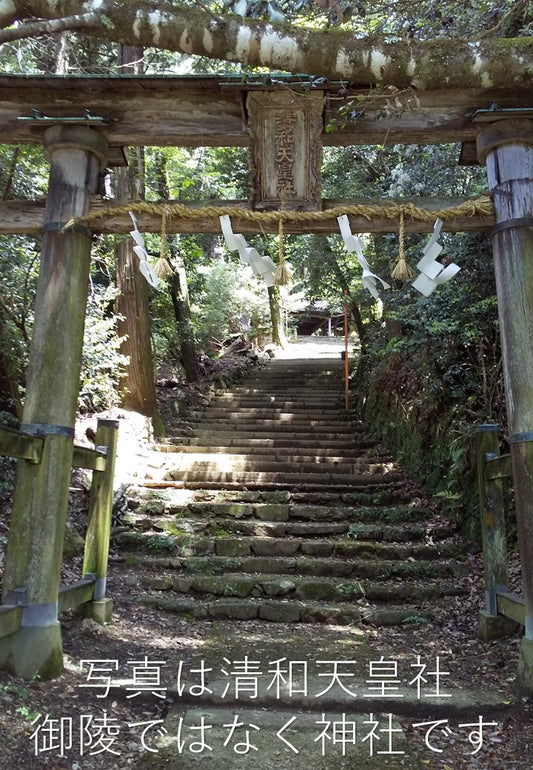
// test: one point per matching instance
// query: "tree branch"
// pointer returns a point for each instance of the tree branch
(333, 54)
(38, 28)
(11, 172)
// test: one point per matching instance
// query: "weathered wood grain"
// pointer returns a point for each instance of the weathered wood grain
(198, 111)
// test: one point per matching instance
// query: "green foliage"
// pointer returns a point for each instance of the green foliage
(7, 465)
(415, 619)
(23, 172)
(390, 515)
(159, 543)
(19, 261)
(432, 371)
(67, 53)
(431, 18)
(197, 174)
(231, 300)
(102, 363)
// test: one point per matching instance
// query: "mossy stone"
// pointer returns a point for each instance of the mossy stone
(232, 547)
(280, 587)
(316, 590)
(280, 612)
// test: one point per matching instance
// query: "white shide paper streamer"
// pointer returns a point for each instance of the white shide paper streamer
(263, 267)
(354, 244)
(432, 272)
(140, 249)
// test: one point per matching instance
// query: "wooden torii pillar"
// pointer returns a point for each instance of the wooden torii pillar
(34, 554)
(506, 146)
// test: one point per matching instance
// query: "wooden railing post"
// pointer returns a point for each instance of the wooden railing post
(99, 523)
(492, 513)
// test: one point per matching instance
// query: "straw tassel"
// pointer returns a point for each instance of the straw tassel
(162, 267)
(402, 271)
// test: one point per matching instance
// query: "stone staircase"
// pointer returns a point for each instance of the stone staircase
(275, 504)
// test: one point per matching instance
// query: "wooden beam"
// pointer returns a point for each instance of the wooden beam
(10, 619)
(73, 596)
(499, 467)
(17, 217)
(195, 111)
(90, 459)
(13, 443)
(188, 112)
(512, 606)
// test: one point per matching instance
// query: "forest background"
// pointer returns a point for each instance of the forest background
(427, 371)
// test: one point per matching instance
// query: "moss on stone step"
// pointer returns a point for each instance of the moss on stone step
(393, 514)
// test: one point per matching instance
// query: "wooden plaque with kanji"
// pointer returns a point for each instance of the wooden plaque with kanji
(286, 149)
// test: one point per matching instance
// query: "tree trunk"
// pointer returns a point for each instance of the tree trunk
(178, 288)
(278, 333)
(331, 53)
(9, 395)
(182, 314)
(352, 304)
(138, 386)
(358, 321)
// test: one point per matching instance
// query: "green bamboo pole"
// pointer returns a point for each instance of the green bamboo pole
(99, 522)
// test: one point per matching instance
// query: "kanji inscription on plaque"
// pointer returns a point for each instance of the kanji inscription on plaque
(286, 149)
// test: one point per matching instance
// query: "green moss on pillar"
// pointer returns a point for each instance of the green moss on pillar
(33, 651)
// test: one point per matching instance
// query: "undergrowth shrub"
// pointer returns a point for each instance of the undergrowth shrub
(432, 372)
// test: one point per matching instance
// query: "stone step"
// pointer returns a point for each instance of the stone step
(322, 443)
(282, 506)
(279, 506)
(330, 372)
(281, 401)
(262, 449)
(310, 530)
(264, 486)
(232, 462)
(320, 446)
(293, 712)
(269, 586)
(321, 402)
(272, 430)
(296, 390)
(265, 426)
(354, 568)
(385, 504)
(311, 476)
(299, 611)
(304, 414)
(273, 539)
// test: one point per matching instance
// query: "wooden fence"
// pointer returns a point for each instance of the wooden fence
(101, 461)
(492, 469)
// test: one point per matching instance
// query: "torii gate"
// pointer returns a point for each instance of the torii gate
(216, 111)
